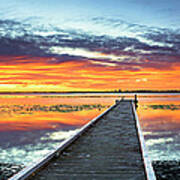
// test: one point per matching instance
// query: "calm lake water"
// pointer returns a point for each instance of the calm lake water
(33, 125)
(160, 121)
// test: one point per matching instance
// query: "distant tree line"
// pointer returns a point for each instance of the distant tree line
(108, 91)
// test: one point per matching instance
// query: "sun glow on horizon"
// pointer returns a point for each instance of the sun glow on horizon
(84, 76)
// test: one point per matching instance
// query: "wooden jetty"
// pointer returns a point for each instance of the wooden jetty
(113, 148)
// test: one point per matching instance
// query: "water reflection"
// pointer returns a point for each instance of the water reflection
(32, 126)
(161, 126)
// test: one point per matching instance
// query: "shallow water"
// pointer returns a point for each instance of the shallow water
(160, 122)
(33, 125)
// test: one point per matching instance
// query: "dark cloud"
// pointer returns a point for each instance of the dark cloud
(160, 47)
(168, 37)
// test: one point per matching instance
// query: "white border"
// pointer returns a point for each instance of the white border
(29, 170)
(147, 162)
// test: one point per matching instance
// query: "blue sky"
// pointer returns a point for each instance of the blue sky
(161, 13)
(53, 27)
(154, 23)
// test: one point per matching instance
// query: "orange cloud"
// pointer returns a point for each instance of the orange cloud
(83, 76)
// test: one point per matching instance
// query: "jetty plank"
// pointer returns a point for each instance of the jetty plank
(109, 150)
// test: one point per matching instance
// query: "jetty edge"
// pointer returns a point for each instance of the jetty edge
(35, 166)
(150, 175)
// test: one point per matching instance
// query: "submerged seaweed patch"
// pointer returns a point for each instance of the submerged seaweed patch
(164, 107)
(63, 108)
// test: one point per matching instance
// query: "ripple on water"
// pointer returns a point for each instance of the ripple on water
(8, 170)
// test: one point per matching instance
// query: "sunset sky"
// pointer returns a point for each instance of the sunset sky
(87, 45)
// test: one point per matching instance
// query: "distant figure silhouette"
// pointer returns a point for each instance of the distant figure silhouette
(136, 101)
